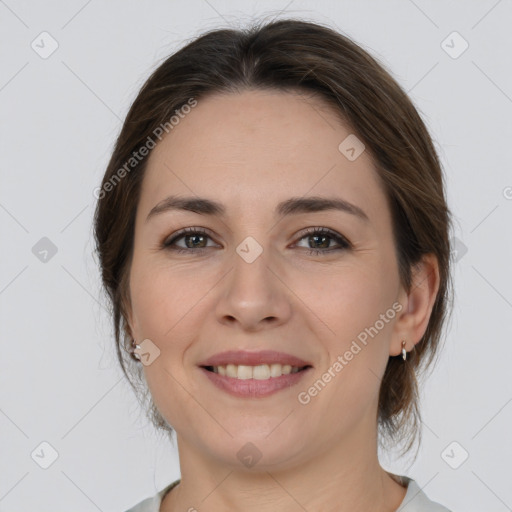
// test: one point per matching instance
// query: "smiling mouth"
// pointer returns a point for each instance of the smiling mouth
(256, 372)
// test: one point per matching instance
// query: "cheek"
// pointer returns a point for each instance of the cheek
(163, 297)
(167, 306)
(348, 328)
(347, 323)
(342, 304)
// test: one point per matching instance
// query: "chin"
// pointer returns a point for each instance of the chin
(255, 450)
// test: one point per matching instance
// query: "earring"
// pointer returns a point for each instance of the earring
(132, 349)
(404, 352)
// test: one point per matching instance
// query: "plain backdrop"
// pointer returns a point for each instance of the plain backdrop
(60, 114)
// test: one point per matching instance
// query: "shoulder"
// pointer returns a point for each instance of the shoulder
(152, 504)
(415, 500)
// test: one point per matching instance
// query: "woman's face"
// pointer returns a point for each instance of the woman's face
(259, 280)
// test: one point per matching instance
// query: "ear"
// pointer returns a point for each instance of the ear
(130, 327)
(131, 323)
(417, 304)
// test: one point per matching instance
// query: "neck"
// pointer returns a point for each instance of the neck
(343, 478)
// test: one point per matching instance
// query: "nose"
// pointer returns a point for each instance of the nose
(254, 294)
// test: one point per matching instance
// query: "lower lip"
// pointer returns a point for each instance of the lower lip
(254, 388)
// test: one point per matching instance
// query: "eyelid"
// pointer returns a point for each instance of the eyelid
(323, 229)
(189, 230)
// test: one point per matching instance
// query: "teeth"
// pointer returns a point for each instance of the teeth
(259, 372)
(244, 372)
(231, 370)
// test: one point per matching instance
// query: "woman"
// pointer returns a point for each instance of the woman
(273, 234)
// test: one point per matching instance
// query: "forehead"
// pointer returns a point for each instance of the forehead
(259, 146)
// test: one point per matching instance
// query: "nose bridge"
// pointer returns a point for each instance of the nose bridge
(252, 291)
(251, 274)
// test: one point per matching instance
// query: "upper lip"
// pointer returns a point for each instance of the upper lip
(244, 357)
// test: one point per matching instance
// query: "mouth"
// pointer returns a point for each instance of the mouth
(251, 375)
(254, 374)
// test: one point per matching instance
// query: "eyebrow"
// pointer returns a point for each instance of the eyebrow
(292, 206)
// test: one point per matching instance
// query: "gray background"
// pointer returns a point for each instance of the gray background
(59, 382)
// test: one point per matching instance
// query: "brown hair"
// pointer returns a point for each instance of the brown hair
(305, 56)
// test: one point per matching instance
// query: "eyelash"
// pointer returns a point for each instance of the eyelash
(344, 243)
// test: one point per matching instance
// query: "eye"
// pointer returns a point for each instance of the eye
(195, 240)
(322, 237)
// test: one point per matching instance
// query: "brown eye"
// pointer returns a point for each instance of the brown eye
(321, 238)
(195, 240)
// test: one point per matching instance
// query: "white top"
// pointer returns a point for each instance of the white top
(415, 499)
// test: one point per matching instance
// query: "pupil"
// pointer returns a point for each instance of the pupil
(195, 237)
(321, 236)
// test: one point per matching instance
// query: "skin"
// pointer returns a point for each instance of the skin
(249, 151)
